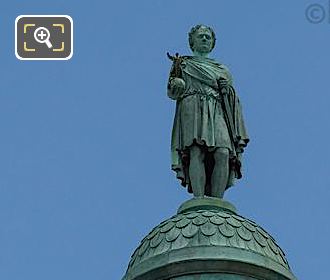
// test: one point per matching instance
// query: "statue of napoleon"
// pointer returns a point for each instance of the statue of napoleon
(209, 135)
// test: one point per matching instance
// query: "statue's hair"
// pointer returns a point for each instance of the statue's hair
(194, 29)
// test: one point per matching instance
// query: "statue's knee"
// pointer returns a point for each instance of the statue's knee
(221, 154)
(196, 153)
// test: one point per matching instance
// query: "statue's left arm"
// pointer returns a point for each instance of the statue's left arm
(235, 123)
(241, 135)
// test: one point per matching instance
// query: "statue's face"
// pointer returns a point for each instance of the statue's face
(203, 41)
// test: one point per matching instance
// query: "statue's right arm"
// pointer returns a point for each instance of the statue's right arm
(175, 85)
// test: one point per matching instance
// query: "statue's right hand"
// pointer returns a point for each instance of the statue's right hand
(176, 88)
(178, 84)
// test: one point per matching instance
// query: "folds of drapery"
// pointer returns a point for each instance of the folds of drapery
(199, 116)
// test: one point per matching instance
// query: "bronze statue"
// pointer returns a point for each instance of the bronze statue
(209, 135)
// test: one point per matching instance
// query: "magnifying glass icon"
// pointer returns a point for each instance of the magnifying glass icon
(41, 35)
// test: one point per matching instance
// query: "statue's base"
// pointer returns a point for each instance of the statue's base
(208, 240)
(206, 203)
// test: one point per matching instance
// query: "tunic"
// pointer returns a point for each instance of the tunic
(199, 117)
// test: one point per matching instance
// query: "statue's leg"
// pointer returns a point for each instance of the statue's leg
(197, 171)
(220, 172)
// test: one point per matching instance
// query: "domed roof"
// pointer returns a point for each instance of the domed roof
(212, 225)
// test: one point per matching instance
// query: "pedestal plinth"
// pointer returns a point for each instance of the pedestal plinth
(207, 239)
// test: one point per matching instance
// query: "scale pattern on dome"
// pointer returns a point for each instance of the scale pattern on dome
(207, 228)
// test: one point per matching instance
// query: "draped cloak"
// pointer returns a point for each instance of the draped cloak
(199, 117)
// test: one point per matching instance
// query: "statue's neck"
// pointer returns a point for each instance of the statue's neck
(201, 55)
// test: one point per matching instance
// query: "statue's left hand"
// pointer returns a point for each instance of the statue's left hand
(223, 85)
(223, 82)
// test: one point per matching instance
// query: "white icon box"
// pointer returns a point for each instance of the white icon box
(42, 36)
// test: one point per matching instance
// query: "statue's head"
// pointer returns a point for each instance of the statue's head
(201, 39)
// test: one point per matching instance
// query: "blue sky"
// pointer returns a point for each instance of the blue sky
(84, 144)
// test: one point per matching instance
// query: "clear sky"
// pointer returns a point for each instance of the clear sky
(84, 144)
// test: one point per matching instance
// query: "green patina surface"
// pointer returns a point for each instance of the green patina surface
(209, 135)
(208, 229)
(213, 276)
(207, 238)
